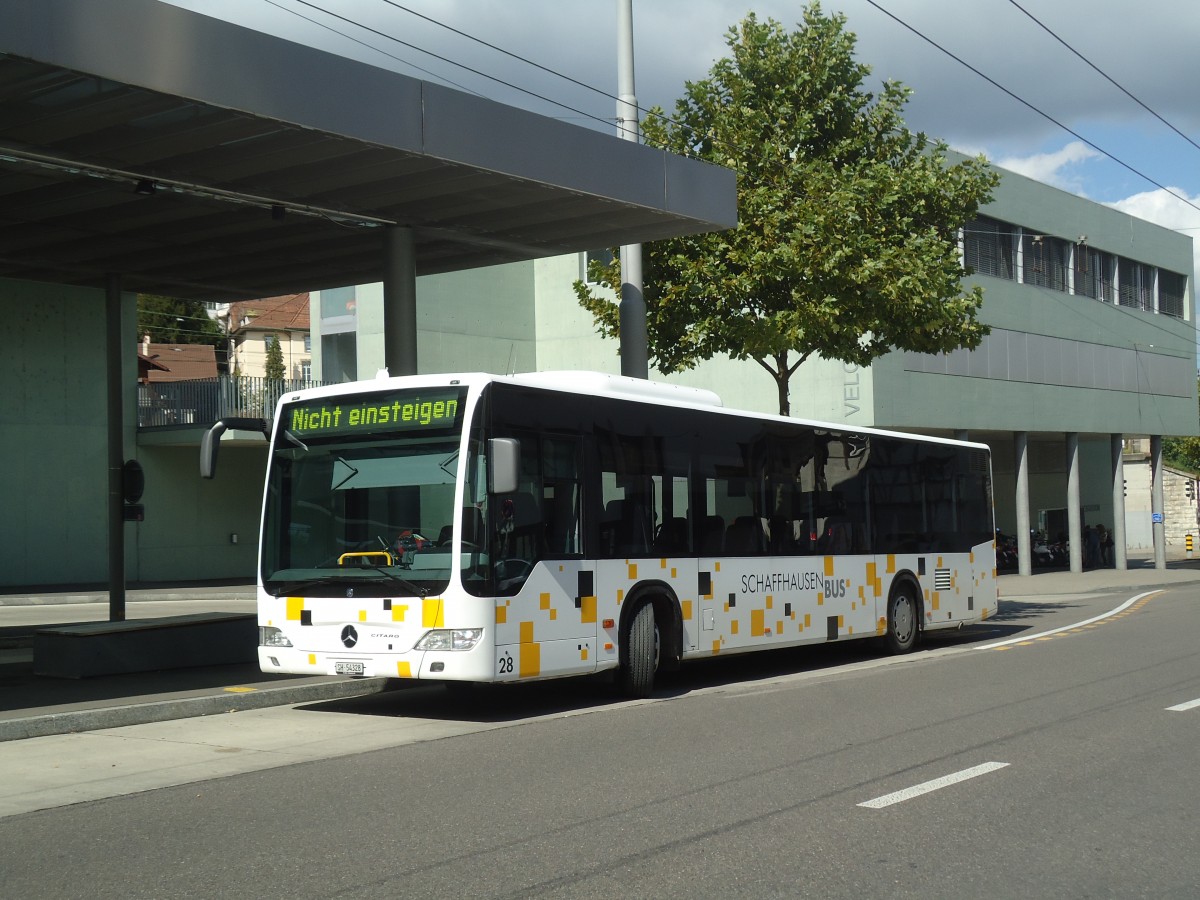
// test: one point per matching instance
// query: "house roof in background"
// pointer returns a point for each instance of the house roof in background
(146, 365)
(287, 313)
(182, 362)
(200, 159)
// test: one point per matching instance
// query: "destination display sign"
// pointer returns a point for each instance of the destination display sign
(408, 410)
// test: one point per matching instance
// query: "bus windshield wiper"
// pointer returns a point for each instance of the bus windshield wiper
(282, 587)
(404, 582)
(279, 588)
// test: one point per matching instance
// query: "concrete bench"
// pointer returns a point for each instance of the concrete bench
(145, 645)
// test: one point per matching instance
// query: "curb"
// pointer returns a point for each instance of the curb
(69, 722)
(69, 599)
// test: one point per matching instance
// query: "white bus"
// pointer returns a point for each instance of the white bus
(479, 528)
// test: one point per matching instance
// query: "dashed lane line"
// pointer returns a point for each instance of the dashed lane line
(935, 785)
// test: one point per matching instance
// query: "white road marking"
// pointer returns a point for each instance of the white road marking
(1184, 707)
(1041, 634)
(936, 785)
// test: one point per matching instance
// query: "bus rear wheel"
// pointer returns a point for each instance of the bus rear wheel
(903, 619)
(640, 659)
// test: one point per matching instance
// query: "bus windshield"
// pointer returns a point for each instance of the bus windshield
(360, 495)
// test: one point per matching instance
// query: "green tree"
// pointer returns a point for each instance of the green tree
(275, 369)
(846, 243)
(1183, 452)
(169, 320)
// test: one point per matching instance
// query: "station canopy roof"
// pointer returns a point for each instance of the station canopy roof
(196, 158)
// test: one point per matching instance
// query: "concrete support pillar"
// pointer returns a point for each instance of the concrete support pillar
(1074, 526)
(399, 301)
(1157, 517)
(1116, 445)
(1021, 458)
(115, 385)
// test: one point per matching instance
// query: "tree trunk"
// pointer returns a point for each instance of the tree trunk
(782, 374)
(782, 377)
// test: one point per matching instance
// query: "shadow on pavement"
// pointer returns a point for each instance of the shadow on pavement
(500, 703)
(20, 689)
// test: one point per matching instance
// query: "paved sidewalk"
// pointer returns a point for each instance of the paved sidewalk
(32, 706)
(1139, 576)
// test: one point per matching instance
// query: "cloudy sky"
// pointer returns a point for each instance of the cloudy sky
(1043, 53)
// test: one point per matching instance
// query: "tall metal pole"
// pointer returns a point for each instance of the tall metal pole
(114, 350)
(633, 301)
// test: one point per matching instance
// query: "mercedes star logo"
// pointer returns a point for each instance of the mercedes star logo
(349, 636)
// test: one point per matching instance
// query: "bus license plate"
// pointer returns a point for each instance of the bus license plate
(349, 668)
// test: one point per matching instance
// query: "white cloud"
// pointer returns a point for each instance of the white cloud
(1169, 211)
(1053, 168)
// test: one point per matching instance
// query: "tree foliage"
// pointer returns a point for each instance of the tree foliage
(169, 320)
(847, 235)
(275, 370)
(1183, 452)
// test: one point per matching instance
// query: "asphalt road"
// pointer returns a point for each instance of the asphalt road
(1004, 762)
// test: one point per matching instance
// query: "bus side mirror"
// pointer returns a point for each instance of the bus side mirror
(211, 441)
(504, 464)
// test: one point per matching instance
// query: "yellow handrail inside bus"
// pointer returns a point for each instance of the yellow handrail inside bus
(365, 553)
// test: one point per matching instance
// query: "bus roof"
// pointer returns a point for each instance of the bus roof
(601, 384)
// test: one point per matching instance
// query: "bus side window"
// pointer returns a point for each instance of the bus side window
(562, 495)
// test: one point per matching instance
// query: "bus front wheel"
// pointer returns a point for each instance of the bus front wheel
(903, 619)
(640, 657)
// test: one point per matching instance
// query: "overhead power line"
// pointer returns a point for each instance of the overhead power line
(371, 47)
(962, 62)
(473, 71)
(508, 53)
(1104, 75)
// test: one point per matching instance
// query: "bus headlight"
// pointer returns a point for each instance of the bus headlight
(450, 639)
(272, 637)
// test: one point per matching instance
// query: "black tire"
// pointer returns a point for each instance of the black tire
(903, 620)
(636, 678)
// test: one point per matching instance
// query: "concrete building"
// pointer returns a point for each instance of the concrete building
(1092, 342)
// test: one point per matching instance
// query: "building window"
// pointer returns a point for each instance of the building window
(1170, 293)
(1044, 261)
(1093, 273)
(604, 257)
(308, 343)
(1135, 284)
(988, 248)
(267, 338)
(306, 370)
(339, 359)
(337, 303)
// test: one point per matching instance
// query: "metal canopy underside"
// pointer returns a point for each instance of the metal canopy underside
(275, 167)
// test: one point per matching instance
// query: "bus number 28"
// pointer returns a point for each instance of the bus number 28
(505, 666)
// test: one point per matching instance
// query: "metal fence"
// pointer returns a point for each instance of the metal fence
(202, 401)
